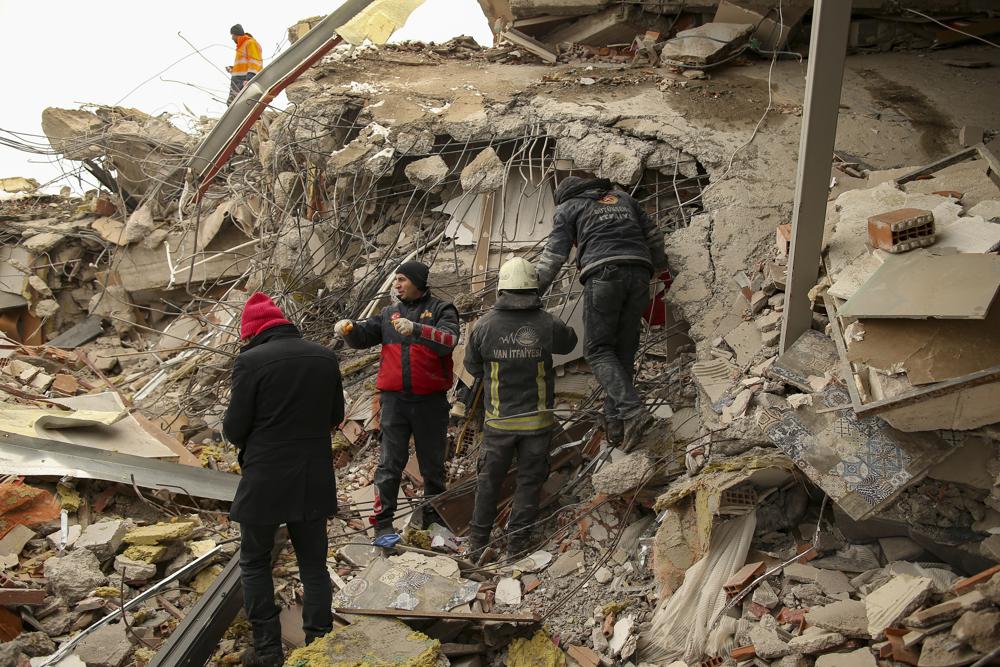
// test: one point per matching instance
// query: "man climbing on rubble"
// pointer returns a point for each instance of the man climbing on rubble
(248, 63)
(418, 335)
(510, 350)
(618, 249)
(286, 396)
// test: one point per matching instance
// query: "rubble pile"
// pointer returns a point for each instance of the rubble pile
(835, 502)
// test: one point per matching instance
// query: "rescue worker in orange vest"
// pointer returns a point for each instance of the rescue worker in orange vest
(248, 63)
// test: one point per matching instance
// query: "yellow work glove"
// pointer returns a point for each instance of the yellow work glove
(343, 327)
(403, 326)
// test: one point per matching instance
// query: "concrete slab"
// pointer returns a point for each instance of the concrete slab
(891, 602)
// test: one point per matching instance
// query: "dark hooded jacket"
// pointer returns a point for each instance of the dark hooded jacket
(286, 396)
(511, 349)
(606, 225)
(418, 364)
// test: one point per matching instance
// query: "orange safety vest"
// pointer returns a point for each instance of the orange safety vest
(248, 56)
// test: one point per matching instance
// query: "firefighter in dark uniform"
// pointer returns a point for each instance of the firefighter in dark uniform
(418, 335)
(510, 350)
(618, 250)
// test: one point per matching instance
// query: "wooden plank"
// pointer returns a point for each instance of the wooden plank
(481, 261)
(954, 158)
(447, 615)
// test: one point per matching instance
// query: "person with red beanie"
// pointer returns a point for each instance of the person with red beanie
(286, 396)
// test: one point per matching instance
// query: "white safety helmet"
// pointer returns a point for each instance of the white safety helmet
(518, 273)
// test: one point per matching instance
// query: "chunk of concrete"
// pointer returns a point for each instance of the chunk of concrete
(832, 582)
(508, 592)
(620, 477)
(427, 173)
(74, 575)
(848, 617)
(622, 165)
(887, 604)
(941, 650)
(134, 571)
(766, 642)
(622, 631)
(72, 536)
(70, 132)
(603, 575)
(978, 629)
(948, 610)
(900, 548)
(568, 563)
(107, 646)
(484, 174)
(765, 596)
(160, 532)
(392, 641)
(815, 640)
(706, 43)
(103, 538)
(860, 658)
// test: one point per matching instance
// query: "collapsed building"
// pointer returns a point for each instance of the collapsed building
(835, 502)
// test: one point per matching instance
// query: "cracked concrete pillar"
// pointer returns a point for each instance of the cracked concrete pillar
(827, 51)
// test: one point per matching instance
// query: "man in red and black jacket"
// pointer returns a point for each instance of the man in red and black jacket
(418, 335)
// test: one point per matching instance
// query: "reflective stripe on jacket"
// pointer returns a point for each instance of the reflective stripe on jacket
(248, 56)
(511, 349)
(418, 364)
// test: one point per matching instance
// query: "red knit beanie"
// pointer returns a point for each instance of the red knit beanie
(260, 314)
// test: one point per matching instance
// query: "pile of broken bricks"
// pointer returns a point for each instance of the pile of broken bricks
(57, 583)
(903, 613)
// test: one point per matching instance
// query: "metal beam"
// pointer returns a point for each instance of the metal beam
(194, 641)
(221, 142)
(827, 51)
(24, 455)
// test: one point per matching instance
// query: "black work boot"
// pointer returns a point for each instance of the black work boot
(518, 547)
(271, 659)
(430, 516)
(477, 548)
(266, 651)
(635, 427)
(614, 431)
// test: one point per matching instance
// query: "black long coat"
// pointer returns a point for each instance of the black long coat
(286, 396)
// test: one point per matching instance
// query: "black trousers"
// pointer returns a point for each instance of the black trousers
(236, 84)
(498, 452)
(615, 297)
(310, 544)
(425, 418)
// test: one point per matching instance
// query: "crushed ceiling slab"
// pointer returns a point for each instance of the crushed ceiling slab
(929, 350)
(706, 44)
(861, 463)
(920, 285)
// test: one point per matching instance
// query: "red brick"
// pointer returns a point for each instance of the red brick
(743, 653)
(743, 577)
(901, 230)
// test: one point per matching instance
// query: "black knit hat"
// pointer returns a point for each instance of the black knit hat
(416, 271)
(236, 30)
